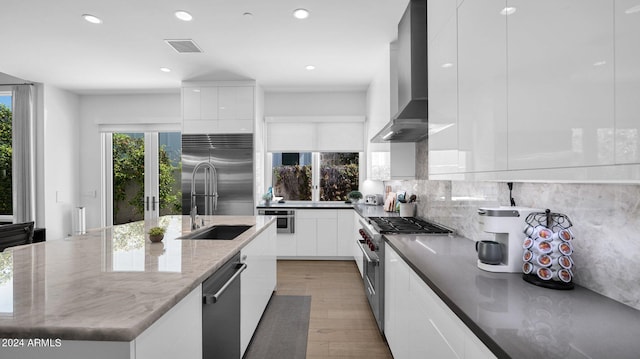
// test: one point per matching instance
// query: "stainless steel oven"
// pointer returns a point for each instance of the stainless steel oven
(372, 248)
(285, 219)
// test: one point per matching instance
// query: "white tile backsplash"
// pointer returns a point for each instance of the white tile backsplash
(605, 217)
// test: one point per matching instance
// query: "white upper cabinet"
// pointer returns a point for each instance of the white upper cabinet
(235, 103)
(561, 83)
(539, 90)
(211, 108)
(482, 86)
(443, 86)
(627, 82)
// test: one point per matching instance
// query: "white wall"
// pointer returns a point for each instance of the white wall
(96, 110)
(59, 159)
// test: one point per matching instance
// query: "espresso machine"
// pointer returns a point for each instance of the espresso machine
(507, 224)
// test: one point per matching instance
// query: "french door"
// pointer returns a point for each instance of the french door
(142, 176)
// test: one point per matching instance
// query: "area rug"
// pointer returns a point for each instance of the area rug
(282, 331)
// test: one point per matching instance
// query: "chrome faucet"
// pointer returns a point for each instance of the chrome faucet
(210, 192)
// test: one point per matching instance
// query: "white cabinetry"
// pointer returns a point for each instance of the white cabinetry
(355, 248)
(418, 324)
(257, 283)
(397, 315)
(443, 86)
(346, 232)
(322, 233)
(482, 86)
(627, 82)
(561, 79)
(223, 108)
(317, 232)
(547, 92)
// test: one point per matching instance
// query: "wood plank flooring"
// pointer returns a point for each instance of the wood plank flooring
(342, 324)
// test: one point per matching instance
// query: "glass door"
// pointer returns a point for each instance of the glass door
(145, 177)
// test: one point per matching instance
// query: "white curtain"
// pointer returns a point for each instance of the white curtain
(23, 154)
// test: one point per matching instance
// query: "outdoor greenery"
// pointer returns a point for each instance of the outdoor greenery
(293, 181)
(339, 175)
(6, 201)
(128, 178)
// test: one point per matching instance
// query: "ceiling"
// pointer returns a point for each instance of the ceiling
(49, 42)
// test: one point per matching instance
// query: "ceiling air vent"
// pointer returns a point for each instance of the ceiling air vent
(184, 46)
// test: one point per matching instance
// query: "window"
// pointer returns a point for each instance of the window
(6, 197)
(319, 176)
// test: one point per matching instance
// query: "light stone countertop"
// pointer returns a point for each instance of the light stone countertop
(111, 283)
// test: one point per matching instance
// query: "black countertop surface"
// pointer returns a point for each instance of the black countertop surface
(516, 319)
(364, 210)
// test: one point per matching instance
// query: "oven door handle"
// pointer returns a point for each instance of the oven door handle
(366, 255)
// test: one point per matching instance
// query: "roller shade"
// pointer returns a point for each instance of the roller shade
(315, 134)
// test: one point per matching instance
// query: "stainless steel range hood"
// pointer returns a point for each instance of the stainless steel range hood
(410, 124)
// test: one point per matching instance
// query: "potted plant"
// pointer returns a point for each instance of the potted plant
(156, 234)
(354, 196)
(267, 198)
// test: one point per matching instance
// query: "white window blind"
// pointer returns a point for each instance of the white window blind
(315, 134)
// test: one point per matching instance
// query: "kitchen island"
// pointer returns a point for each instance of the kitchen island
(513, 318)
(109, 285)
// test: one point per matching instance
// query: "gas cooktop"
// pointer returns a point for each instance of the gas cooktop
(406, 225)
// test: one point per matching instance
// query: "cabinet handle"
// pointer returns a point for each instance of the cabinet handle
(153, 203)
(147, 203)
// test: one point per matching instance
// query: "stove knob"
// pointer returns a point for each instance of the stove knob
(372, 247)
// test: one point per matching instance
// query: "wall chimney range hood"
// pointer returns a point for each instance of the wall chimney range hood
(410, 124)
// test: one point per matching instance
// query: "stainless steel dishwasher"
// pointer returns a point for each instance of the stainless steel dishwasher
(221, 311)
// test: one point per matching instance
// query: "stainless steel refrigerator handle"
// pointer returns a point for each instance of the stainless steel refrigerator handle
(366, 255)
(210, 299)
(153, 203)
(147, 203)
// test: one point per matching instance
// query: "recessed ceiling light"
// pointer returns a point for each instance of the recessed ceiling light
(447, 65)
(92, 19)
(301, 13)
(310, 67)
(165, 69)
(507, 11)
(632, 10)
(183, 15)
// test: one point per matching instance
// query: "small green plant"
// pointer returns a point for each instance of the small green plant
(354, 195)
(156, 231)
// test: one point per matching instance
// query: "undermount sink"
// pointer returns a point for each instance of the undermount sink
(217, 232)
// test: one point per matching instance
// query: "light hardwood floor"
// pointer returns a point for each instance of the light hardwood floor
(342, 324)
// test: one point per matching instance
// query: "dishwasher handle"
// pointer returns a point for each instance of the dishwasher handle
(213, 298)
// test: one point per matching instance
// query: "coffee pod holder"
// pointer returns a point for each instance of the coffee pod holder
(557, 276)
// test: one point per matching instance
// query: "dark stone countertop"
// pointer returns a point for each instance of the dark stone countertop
(362, 209)
(516, 319)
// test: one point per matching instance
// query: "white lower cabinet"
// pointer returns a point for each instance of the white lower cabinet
(346, 232)
(322, 233)
(257, 282)
(397, 312)
(355, 248)
(418, 324)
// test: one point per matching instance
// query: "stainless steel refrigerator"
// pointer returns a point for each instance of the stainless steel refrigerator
(223, 176)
